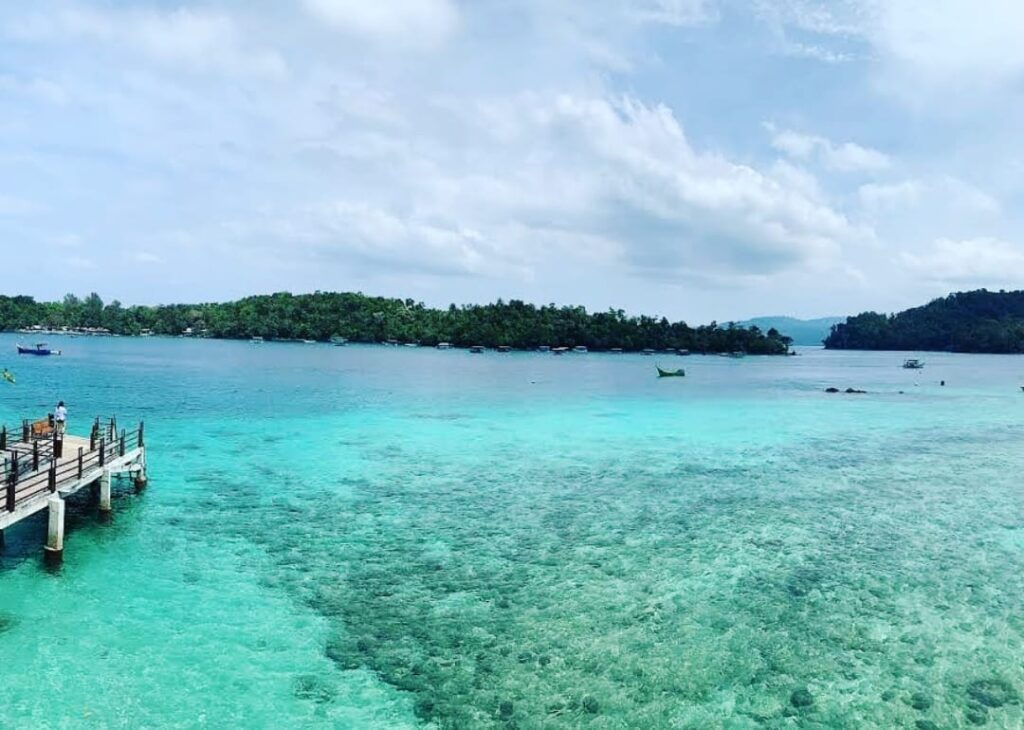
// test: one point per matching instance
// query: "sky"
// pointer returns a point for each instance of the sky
(699, 159)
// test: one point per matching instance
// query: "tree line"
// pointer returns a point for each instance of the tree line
(361, 318)
(975, 321)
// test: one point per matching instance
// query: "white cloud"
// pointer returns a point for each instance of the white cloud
(398, 22)
(146, 257)
(967, 197)
(542, 137)
(674, 207)
(817, 52)
(194, 39)
(880, 197)
(676, 12)
(844, 157)
(941, 193)
(969, 263)
(960, 40)
(927, 47)
(382, 236)
(519, 184)
(823, 18)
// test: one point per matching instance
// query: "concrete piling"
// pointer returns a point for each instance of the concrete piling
(55, 531)
(105, 481)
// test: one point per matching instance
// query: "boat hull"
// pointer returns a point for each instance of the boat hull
(36, 351)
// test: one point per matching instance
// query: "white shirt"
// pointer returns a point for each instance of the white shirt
(61, 414)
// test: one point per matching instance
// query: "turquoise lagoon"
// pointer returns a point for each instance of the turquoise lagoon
(396, 538)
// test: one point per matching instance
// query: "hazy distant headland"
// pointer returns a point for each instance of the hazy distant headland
(803, 331)
(976, 321)
(360, 318)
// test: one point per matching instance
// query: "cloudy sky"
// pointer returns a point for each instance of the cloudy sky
(702, 159)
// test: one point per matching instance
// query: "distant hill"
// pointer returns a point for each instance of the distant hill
(803, 331)
(974, 321)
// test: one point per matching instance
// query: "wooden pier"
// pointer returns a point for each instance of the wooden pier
(41, 467)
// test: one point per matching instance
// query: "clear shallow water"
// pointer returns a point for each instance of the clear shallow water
(379, 537)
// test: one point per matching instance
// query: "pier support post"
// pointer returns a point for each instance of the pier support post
(105, 481)
(55, 533)
(141, 480)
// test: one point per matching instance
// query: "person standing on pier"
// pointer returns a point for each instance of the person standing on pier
(60, 415)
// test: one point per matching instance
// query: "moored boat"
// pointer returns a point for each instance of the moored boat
(579, 348)
(679, 373)
(444, 345)
(41, 348)
(476, 349)
(913, 364)
(339, 341)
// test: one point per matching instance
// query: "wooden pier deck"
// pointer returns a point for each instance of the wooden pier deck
(41, 468)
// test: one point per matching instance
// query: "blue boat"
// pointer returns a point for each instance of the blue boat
(40, 349)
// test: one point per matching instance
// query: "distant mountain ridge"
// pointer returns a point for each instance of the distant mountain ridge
(803, 331)
(975, 321)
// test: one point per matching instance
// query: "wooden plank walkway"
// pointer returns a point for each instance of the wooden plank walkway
(38, 469)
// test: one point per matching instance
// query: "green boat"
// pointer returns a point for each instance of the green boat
(670, 373)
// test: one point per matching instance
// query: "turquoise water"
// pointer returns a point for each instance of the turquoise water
(395, 538)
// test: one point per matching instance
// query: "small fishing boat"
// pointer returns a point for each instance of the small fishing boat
(504, 348)
(339, 341)
(616, 351)
(913, 364)
(559, 350)
(544, 348)
(40, 348)
(309, 342)
(257, 340)
(680, 373)
(648, 351)
(683, 353)
(476, 349)
(444, 345)
(579, 348)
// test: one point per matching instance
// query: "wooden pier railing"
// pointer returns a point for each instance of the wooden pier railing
(40, 464)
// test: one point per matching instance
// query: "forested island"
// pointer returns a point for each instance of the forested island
(361, 318)
(976, 321)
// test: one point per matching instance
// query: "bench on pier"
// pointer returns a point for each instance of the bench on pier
(42, 427)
